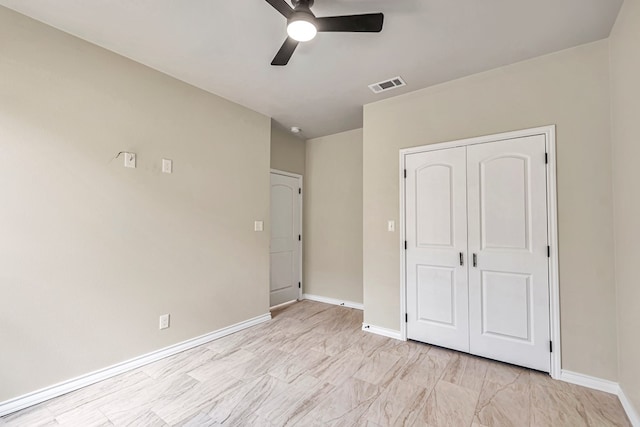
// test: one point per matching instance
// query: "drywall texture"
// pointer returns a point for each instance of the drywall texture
(287, 151)
(569, 89)
(625, 103)
(333, 217)
(92, 253)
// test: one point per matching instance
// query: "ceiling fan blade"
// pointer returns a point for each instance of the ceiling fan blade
(367, 23)
(282, 7)
(285, 52)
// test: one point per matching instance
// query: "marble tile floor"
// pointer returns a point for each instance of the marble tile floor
(313, 366)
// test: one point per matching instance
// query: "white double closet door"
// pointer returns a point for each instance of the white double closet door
(476, 252)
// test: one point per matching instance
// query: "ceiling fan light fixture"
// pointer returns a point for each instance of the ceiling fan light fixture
(301, 28)
(302, 25)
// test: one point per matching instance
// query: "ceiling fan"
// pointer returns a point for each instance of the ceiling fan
(302, 25)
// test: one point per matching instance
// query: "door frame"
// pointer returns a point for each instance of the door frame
(549, 133)
(300, 246)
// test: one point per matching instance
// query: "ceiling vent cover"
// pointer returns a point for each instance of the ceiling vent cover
(389, 84)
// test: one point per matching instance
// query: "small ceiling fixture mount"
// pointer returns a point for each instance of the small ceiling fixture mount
(295, 129)
(302, 25)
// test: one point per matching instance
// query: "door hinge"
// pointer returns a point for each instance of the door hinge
(299, 190)
(550, 346)
(406, 318)
(299, 285)
(405, 173)
(548, 251)
(546, 158)
(299, 237)
(405, 245)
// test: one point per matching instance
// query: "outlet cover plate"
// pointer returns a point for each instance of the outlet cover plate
(164, 321)
(167, 166)
(129, 160)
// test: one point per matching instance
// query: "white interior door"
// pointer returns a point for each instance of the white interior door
(436, 235)
(285, 247)
(507, 228)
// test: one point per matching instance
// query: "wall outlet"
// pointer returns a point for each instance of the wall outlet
(164, 321)
(129, 160)
(258, 226)
(167, 166)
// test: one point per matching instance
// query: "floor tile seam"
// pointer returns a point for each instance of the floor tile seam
(93, 409)
(301, 399)
(109, 418)
(311, 408)
(369, 382)
(479, 407)
(411, 403)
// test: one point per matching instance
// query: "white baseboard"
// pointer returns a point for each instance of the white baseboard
(333, 301)
(589, 382)
(64, 387)
(389, 333)
(632, 414)
(606, 386)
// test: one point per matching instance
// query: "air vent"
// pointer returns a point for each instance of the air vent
(387, 85)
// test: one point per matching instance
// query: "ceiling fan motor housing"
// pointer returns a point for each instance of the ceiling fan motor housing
(302, 11)
(303, 3)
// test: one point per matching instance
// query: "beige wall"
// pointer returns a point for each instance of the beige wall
(92, 253)
(569, 89)
(625, 103)
(333, 217)
(287, 150)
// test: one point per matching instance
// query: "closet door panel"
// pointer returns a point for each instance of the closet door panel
(436, 233)
(507, 229)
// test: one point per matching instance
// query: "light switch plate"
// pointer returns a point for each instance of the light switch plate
(258, 226)
(167, 166)
(391, 226)
(129, 160)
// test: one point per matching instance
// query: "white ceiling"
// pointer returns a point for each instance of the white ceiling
(225, 47)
